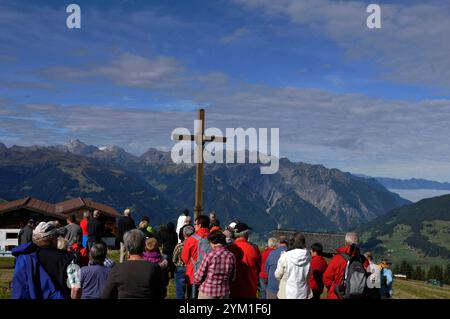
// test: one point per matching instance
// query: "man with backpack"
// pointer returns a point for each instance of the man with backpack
(195, 249)
(346, 275)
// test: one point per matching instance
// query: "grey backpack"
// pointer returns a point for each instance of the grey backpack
(354, 283)
(203, 249)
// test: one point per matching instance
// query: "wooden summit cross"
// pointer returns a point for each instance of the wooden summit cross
(200, 139)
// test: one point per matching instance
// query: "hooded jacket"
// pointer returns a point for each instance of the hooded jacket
(30, 279)
(334, 274)
(293, 272)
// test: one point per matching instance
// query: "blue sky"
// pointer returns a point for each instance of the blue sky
(367, 101)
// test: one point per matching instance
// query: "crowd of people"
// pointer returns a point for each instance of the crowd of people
(205, 261)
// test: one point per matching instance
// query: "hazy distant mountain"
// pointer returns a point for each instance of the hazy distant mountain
(300, 195)
(412, 183)
(413, 189)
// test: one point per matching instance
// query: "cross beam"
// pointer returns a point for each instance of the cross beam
(200, 140)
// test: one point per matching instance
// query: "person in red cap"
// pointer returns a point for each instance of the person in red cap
(248, 264)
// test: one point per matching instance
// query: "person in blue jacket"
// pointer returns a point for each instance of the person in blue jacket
(271, 266)
(386, 280)
(41, 270)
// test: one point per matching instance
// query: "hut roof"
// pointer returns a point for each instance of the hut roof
(58, 210)
(329, 241)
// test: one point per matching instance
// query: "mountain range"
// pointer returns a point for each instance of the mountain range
(300, 196)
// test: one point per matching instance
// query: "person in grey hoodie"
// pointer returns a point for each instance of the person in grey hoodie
(293, 270)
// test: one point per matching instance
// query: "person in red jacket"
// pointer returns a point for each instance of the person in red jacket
(272, 243)
(189, 253)
(84, 228)
(334, 274)
(318, 267)
(248, 264)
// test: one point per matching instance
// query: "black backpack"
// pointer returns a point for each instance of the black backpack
(354, 283)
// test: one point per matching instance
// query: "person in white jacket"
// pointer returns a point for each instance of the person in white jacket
(293, 270)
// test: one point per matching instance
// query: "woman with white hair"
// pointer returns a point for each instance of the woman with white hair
(42, 271)
(334, 275)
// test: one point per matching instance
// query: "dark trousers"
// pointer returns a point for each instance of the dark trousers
(180, 282)
(316, 294)
(171, 266)
(194, 291)
(262, 288)
(373, 293)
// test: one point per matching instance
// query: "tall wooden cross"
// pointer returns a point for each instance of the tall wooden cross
(200, 139)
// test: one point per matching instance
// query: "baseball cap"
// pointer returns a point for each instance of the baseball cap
(240, 227)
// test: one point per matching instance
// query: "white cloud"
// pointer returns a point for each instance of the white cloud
(128, 70)
(236, 35)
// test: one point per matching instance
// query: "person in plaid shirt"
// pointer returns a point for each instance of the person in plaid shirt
(217, 270)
